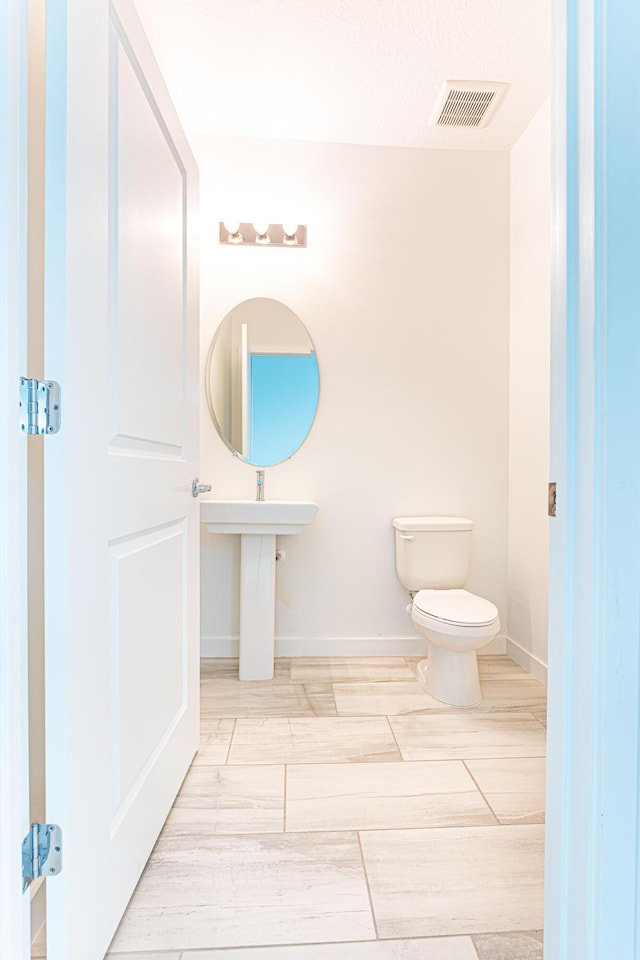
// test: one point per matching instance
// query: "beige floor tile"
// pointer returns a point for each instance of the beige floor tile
(256, 698)
(217, 668)
(505, 686)
(509, 946)
(313, 740)
(390, 698)
(144, 956)
(435, 948)
(513, 788)
(489, 665)
(468, 735)
(522, 693)
(321, 699)
(228, 800)
(492, 665)
(540, 713)
(412, 662)
(215, 739)
(336, 669)
(455, 881)
(243, 891)
(378, 796)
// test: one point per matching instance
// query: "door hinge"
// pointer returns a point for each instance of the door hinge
(552, 505)
(39, 406)
(41, 852)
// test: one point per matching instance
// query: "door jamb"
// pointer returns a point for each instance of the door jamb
(592, 876)
(14, 756)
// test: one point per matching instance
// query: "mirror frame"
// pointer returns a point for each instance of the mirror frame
(207, 376)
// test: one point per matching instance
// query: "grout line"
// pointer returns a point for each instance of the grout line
(175, 954)
(364, 763)
(502, 712)
(366, 880)
(233, 731)
(353, 829)
(481, 792)
(284, 801)
(395, 740)
(325, 763)
(193, 952)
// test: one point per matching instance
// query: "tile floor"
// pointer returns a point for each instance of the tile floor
(338, 812)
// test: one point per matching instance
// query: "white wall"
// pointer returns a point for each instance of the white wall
(529, 394)
(404, 289)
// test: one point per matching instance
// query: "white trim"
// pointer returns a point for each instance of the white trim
(527, 660)
(592, 874)
(225, 647)
(556, 863)
(14, 756)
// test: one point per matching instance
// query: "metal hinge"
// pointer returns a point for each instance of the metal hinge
(552, 503)
(39, 406)
(41, 852)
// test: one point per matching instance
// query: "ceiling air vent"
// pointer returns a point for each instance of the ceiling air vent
(467, 103)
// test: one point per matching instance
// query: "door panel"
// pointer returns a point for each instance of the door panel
(122, 529)
(149, 644)
(149, 182)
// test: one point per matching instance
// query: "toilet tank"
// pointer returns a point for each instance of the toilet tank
(432, 552)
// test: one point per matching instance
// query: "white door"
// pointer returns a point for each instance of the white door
(14, 798)
(121, 525)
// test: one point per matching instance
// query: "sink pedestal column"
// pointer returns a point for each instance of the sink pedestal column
(257, 605)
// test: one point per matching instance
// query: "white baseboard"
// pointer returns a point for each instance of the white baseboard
(337, 646)
(527, 660)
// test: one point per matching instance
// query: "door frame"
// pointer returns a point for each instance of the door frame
(587, 822)
(592, 887)
(14, 727)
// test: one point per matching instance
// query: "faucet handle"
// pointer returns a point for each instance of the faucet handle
(259, 485)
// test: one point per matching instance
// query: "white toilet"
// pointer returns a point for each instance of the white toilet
(432, 562)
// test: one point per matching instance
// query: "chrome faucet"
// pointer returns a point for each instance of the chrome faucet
(260, 485)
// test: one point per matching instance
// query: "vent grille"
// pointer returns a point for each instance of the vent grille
(463, 103)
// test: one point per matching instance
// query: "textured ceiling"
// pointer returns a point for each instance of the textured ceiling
(348, 71)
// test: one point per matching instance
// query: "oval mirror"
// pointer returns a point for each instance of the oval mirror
(262, 381)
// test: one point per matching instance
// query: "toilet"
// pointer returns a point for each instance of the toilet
(432, 562)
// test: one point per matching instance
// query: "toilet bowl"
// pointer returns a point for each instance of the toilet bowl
(455, 624)
(432, 562)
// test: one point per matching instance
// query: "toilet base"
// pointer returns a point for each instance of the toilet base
(451, 676)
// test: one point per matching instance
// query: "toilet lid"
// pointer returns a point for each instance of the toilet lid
(456, 606)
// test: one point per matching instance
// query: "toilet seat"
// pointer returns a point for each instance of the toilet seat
(455, 607)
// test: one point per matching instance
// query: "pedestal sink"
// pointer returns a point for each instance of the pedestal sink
(257, 524)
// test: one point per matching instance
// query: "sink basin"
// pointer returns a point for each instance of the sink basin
(258, 524)
(254, 517)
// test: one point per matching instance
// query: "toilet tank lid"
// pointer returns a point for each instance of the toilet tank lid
(420, 524)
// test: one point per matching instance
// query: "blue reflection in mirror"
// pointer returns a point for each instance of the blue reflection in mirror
(282, 404)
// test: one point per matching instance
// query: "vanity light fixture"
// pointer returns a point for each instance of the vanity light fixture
(289, 231)
(232, 228)
(263, 234)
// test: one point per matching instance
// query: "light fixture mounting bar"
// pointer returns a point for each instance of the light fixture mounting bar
(247, 235)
